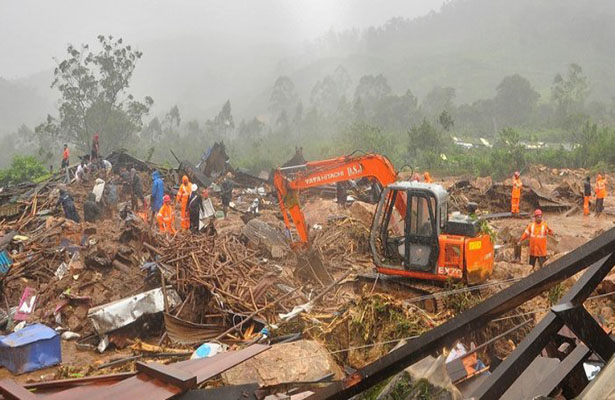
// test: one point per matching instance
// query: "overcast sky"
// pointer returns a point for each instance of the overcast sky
(34, 31)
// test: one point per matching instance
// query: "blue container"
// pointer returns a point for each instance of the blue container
(33, 347)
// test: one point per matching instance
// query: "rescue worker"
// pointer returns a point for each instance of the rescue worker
(110, 198)
(126, 186)
(516, 193)
(68, 205)
(166, 216)
(81, 172)
(107, 166)
(227, 192)
(66, 162)
(183, 194)
(587, 192)
(157, 193)
(600, 193)
(136, 189)
(427, 177)
(537, 232)
(95, 149)
(195, 206)
(91, 211)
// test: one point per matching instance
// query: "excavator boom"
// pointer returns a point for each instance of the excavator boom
(289, 181)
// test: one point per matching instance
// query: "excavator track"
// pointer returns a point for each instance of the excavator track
(423, 294)
(429, 296)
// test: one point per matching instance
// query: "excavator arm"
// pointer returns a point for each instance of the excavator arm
(289, 181)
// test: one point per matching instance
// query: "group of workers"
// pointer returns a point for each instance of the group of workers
(538, 230)
(189, 199)
(599, 191)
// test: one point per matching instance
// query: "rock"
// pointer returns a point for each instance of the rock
(606, 286)
(300, 361)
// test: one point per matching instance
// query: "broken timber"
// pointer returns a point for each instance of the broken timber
(599, 252)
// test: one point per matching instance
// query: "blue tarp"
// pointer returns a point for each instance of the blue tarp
(33, 347)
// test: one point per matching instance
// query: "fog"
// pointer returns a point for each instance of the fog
(266, 76)
(34, 31)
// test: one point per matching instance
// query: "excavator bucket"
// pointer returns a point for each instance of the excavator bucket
(310, 267)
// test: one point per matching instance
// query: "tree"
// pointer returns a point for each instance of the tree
(508, 154)
(93, 90)
(222, 125)
(283, 95)
(446, 121)
(568, 95)
(515, 100)
(426, 143)
(370, 90)
(22, 169)
(153, 131)
(437, 100)
(327, 93)
(173, 119)
(396, 112)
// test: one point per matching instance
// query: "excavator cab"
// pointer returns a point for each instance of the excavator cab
(407, 226)
(412, 236)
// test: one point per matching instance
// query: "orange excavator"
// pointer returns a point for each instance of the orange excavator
(411, 235)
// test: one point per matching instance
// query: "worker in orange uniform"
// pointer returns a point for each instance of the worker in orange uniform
(600, 193)
(66, 162)
(183, 194)
(537, 232)
(166, 216)
(516, 193)
(587, 193)
(427, 177)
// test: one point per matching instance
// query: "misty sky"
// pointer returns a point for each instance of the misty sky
(34, 31)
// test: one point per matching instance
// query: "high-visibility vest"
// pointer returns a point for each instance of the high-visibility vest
(538, 238)
(184, 193)
(601, 188)
(166, 218)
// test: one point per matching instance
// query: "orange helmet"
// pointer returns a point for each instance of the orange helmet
(538, 213)
(185, 180)
(166, 198)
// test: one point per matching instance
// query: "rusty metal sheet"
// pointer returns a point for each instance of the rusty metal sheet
(13, 391)
(185, 332)
(137, 387)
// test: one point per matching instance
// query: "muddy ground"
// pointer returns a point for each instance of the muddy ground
(342, 241)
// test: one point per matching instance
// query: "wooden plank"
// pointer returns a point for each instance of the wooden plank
(11, 390)
(168, 374)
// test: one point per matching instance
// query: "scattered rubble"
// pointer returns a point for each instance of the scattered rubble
(121, 287)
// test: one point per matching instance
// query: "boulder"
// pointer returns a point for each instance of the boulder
(300, 361)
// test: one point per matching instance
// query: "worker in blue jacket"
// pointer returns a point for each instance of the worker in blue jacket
(157, 193)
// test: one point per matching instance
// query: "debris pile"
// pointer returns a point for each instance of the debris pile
(119, 284)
